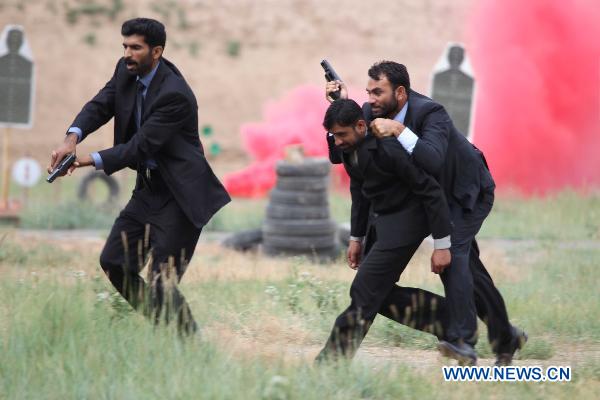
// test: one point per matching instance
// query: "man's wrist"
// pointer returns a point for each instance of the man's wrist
(442, 243)
(97, 160)
(408, 139)
(358, 239)
(399, 129)
(77, 131)
(72, 138)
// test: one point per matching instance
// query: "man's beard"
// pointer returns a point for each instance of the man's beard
(142, 67)
(349, 149)
(359, 139)
(388, 110)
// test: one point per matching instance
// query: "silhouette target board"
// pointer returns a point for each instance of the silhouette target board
(16, 79)
(453, 86)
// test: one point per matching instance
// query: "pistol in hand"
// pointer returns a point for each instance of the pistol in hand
(62, 168)
(331, 75)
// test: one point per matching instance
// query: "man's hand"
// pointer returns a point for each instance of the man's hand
(382, 127)
(334, 86)
(354, 252)
(84, 161)
(68, 146)
(440, 260)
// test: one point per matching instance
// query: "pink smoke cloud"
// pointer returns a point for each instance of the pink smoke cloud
(537, 65)
(295, 119)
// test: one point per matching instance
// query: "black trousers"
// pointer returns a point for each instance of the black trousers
(426, 311)
(372, 288)
(418, 308)
(458, 279)
(152, 230)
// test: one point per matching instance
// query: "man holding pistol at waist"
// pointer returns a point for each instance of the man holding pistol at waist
(176, 193)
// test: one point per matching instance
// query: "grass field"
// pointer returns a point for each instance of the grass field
(64, 334)
(564, 216)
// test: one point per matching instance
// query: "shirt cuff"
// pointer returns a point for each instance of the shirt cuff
(408, 139)
(97, 160)
(357, 238)
(76, 131)
(443, 243)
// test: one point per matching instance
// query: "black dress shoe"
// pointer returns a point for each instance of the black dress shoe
(518, 341)
(464, 353)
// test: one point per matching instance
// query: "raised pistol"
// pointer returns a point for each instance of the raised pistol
(331, 75)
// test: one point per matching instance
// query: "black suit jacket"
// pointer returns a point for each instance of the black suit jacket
(408, 204)
(441, 151)
(168, 134)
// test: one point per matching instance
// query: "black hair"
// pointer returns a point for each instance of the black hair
(344, 112)
(153, 31)
(396, 73)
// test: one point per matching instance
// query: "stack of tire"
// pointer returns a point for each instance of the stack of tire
(297, 220)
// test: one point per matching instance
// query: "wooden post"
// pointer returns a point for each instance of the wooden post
(5, 169)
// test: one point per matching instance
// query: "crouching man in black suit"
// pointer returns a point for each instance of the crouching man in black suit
(176, 193)
(408, 205)
(427, 133)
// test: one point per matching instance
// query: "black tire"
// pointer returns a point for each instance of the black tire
(111, 183)
(275, 211)
(309, 167)
(299, 198)
(302, 243)
(344, 234)
(299, 227)
(310, 184)
(245, 240)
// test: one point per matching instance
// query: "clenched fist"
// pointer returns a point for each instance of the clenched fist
(382, 127)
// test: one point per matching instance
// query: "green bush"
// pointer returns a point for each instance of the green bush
(233, 48)
(90, 39)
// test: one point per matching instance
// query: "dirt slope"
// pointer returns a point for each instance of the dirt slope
(280, 45)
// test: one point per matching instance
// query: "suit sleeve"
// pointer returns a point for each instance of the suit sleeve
(165, 120)
(99, 110)
(421, 184)
(334, 151)
(430, 151)
(359, 212)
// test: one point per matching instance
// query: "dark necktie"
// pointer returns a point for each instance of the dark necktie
(139, 112)
(139, 104)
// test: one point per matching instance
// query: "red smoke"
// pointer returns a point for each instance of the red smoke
(295, 119)
(537, 68)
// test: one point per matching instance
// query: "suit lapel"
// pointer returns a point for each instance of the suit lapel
(364, 152)
(128, 104)
(154, 87)
(409, 115)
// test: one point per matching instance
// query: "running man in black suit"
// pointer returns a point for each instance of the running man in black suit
(176, 193)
